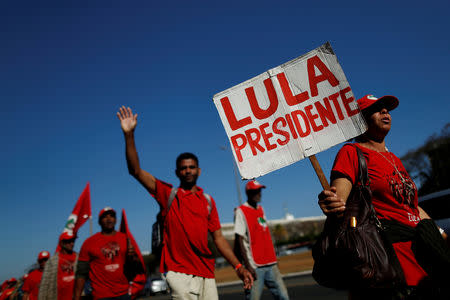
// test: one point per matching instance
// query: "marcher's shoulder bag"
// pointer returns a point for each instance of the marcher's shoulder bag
(351, 251)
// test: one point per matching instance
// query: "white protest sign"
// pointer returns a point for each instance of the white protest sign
(290, 112)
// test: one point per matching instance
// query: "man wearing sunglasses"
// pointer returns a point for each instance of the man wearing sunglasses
(59, 272)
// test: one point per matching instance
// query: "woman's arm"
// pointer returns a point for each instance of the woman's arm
(332, 202)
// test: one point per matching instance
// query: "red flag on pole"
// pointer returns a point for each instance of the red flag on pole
(138, 283)
(81, 212)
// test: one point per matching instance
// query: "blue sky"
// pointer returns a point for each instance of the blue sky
(67, 66)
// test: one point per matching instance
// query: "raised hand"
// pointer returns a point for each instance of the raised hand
(128, 121)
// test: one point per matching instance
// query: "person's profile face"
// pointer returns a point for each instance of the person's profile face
(254, 195)
(68, 245)
(42, 262)
(188, 171)
(378, 118)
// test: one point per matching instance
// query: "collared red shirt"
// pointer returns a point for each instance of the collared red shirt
(187, 221)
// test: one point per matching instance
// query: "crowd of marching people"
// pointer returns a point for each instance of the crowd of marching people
(111, 260)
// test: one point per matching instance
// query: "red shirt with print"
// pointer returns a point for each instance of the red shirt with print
(66, 275)
(187, 220)
(31, 284)
(106, 255)
(394, 197)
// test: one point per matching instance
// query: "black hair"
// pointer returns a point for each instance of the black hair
(186, 155)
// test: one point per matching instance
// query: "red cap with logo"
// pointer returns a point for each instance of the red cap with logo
(254, 185)
(105, 210)
(12, 279)
(43, 254)
(66, 236)
(390, 102)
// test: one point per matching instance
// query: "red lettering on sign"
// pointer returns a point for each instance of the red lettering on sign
(237, 148)
(314, 79)
(281, 132)
(253, 142)
(347, 101)
(290, 98)
(301, 132)
(291, 126)
(258, 112)
(336, 105)
(312, 117)
(266, 136)
(231, 117)
(325, 113)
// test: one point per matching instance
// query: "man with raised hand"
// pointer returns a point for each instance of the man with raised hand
(102, 259)
(253, 242)
(59, 273)
(189, 215)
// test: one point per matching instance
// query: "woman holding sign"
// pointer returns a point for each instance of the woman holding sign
(394, 195)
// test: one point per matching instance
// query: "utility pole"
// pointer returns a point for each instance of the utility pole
(236, 176)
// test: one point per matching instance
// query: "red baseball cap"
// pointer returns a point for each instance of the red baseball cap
(43, 254)
(390, 102)
(12, 279)
(254, 185)
(105, 210)
(67, 236)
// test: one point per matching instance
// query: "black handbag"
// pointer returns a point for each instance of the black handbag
(351, 251)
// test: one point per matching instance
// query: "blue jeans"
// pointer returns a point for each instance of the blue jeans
(271, 277)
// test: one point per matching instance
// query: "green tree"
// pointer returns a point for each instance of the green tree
(280, 234)
(429, 165)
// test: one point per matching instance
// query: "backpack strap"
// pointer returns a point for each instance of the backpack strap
(172, 195)
(208, 198)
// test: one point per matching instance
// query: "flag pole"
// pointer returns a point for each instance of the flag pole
(90, 226)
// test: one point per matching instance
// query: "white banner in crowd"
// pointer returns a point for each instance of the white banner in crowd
(290, 112)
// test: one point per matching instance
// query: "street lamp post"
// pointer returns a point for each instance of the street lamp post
(236, 177)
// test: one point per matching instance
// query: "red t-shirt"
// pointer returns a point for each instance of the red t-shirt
(6, 293)
(394, 197)
(31, 284)
(106, 255)
(188, 216)
(66, 275)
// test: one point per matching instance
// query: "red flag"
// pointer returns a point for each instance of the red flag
(138, 283)
(81, 212)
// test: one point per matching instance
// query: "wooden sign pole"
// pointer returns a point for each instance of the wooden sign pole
(323, 180)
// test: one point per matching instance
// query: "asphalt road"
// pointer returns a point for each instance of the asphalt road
(299, 287)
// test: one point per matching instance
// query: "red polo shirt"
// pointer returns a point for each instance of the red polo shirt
(187, 220)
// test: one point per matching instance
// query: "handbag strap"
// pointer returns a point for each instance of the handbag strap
(363, 175)
(364, 182)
